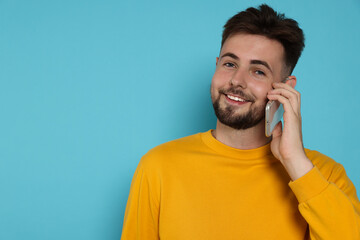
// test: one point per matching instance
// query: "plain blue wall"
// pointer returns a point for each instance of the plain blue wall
(87, 87)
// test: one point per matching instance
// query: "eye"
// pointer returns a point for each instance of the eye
(259, 72)
(229, 65)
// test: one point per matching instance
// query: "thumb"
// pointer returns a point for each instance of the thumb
(277, 130)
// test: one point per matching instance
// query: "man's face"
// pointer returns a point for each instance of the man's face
(247, 66)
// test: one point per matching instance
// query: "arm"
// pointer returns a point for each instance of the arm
(329, 205)
(141, 219)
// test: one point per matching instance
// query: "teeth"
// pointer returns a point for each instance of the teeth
(235, 98)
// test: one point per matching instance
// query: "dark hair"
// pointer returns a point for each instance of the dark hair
(266, 22)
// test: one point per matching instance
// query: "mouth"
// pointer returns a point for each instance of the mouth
(236, 99)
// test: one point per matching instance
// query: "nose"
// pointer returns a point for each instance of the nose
(239, 78)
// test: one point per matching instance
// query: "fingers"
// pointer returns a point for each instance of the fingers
(282, 91)
(288, 108)
(285, 86)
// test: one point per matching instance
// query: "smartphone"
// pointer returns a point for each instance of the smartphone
(274, 111)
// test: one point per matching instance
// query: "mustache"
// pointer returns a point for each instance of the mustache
(238, 92)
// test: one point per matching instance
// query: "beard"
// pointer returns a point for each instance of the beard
(227, 115)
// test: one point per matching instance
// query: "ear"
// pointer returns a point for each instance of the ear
(217, 60)
(291, 80)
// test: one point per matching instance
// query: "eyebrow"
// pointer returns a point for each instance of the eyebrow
(229, 54)
(260, 62)
(256, 62)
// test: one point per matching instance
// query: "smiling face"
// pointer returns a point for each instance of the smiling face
(247, 66)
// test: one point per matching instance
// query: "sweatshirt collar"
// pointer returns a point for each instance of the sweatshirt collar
(256, 153)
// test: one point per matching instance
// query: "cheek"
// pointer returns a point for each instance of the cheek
(217, 81)
(260, 90)
(213, 87)
(221, 77)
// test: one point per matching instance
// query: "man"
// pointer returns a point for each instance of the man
(234, 182)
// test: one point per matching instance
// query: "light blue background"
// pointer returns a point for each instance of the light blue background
(87, 87)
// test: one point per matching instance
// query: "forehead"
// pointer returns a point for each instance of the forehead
(249, 47)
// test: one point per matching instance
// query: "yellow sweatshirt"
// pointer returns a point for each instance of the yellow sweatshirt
(196, 188)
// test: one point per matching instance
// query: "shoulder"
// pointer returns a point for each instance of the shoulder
(157, 156)
(327, 166)
(318, 158)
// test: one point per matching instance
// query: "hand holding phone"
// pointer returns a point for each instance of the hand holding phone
(287, 144)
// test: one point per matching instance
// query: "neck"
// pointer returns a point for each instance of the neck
(241, 139)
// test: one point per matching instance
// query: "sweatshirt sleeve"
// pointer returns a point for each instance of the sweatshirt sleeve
(329, 205)
(141, 220)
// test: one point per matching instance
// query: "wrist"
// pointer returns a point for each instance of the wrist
(297, 167)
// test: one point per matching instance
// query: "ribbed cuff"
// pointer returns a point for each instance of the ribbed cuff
(309, 185)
